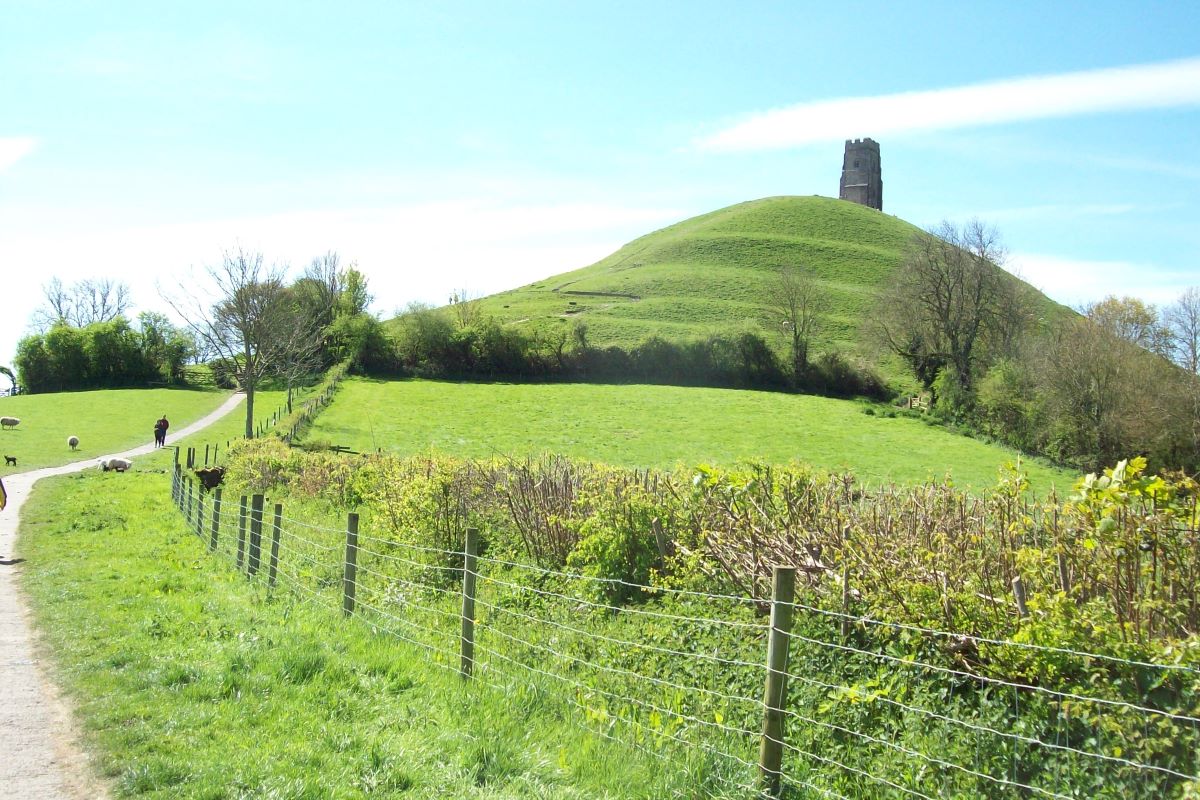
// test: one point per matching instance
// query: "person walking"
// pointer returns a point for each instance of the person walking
(160, 431)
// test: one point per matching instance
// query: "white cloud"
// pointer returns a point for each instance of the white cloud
(14, 148)
(1163, 85)
(412, 252)
(1075, 282)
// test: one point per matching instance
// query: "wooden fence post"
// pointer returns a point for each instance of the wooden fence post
(1064, 573)
(216, 520)
(1019, 593)
(241, 551)
(176, 484)
(276, 525)
(199, 515)
(188, 515)
(770, 754)
(845, 584)
(470, 562)
(350, 577)
(206, 455)
(256, 519)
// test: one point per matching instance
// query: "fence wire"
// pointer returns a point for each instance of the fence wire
(686, 675)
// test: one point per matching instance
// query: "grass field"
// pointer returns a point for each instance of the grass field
(105, 421)
(192, 683)
(659, 426)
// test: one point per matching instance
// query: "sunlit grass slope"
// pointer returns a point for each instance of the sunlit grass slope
(659, 426)
(714, 272)
(105, 421)
(191, 683)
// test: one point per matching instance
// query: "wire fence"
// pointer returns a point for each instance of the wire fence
(805, 703)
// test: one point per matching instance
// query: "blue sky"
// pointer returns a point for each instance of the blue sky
(480, 146)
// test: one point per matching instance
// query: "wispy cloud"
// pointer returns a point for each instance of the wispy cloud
(14, 148)
(1163, 85)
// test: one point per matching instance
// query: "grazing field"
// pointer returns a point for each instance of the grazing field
(659, 426)
(105, 421)
(197, 684)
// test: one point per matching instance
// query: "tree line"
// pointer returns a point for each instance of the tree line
(84, 339)
(244, 319)
(457, 341)
(1085, 388)
(1088, 387)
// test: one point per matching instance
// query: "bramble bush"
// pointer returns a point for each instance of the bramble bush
(1111, 570)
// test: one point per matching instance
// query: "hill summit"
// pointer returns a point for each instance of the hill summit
(714, 273)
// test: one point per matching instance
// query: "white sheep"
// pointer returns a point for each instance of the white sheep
(116, 464)
(73, 442)
(9, 422)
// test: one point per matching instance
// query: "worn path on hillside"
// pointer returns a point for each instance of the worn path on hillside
(40, 756)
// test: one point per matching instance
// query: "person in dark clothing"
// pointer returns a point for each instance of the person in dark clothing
(160, 431)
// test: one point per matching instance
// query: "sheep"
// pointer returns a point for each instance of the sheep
(116, 464)
(73, 442)
(210, 477)
(9, 422)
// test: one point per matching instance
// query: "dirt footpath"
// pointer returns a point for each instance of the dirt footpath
(40, 756)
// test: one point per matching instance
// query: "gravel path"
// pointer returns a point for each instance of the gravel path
(40, 756)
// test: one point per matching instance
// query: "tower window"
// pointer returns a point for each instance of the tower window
(856, 163)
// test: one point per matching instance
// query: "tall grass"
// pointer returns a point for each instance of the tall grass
(193, 683)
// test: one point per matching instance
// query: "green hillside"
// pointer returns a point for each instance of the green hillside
(714, 272)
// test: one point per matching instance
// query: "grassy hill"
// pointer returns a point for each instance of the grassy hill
(659, 426)
(714, 272)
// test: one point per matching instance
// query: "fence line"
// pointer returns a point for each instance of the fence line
(718, 721)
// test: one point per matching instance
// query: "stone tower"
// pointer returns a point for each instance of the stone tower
(862, 180)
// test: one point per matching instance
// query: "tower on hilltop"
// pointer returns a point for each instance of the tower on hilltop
(862, 180)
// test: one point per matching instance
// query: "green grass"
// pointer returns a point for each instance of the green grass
(193, 683)
(659, 426)
(105, 421)
(714, 273)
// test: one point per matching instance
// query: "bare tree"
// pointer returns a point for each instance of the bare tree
(1183, 320)
(947, 298)
(797, 304)
(80, 304)
(249, 326)
(299, 346)
(321, 287)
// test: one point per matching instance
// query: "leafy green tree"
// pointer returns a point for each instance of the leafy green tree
(1133, 321)
(167, 347)
(69, 362)
(114, 354)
